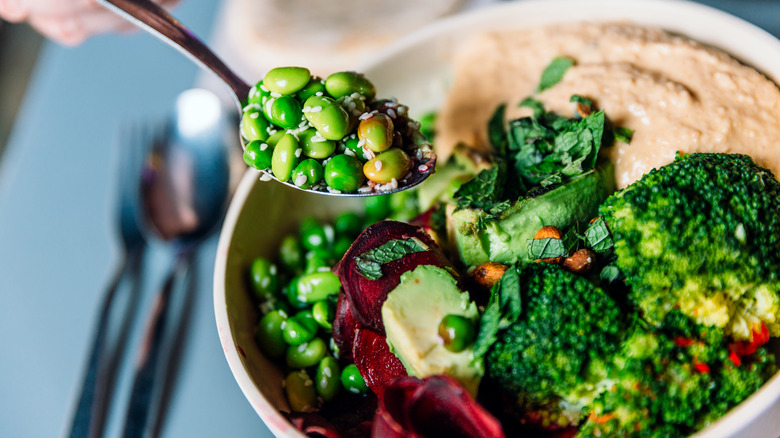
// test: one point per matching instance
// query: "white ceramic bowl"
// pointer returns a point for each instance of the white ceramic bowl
(416, 70)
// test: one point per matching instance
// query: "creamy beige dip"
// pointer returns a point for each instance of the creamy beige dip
(676, 94)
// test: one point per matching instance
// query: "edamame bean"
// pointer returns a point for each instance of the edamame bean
(307, 173)
(347, 82)
(348, 224)
(352, 380)
(403, 206)
(274, 138)
(377, 132)
(315, 85)
(377, 208)
(291, 292)
(456, 332)
(344, 173)
(317, 261)
(258, 154)
(286, 80)
(265, 280)
(391, 164)
(268, 334)
(286, 112)
(307, 354)
(317, 286)
(352, 144)
(315, 145)
(340, 247)
(355, 105)
(326, 380)
(301, 392)
(273, 304)
(291, 254)
(298, 330)
(323, 312)
(327, 116)
(313, 234)
(254, 126)
(257, 94)
(285, 157)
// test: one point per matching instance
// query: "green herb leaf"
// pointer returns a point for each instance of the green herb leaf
(504, 308)
(597, 236)
(576, 98)
(610, 273)
(496, 129)
(485, 192)
(623, 134)
(554, 72)
(535, 105)
(546, 248)
(369, 264)
(573, 238)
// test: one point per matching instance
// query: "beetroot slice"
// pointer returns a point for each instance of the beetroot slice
(344, 327)
(435, 406)
(367, 296)
(313, 425)
(376, 363)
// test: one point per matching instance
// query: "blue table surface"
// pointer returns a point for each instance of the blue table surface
(59, 248)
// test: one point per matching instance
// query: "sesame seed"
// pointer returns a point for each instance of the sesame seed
(254, 115)
(361, 143)
(378, 165)
(316, 109)
(364, 116)
(265, 177)
(300, 180)
(349, 152)
(275, 94)
(319, 93)
(263, 147)
(262, 87)
(298, 152)
(391, 112)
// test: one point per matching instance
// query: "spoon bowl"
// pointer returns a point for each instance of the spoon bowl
(155, 20)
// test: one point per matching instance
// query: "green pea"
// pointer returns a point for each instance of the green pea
(456, 332)
(348, 224)
(323, 312)
(340, 247)
(254, 126)
(344, 173)
(317, 261)
(313, 234)
(268, 334)
(291, 254)
(352, 380)
(301, 392)
(391, 164)
(291, 292)
(315, 85)
(326, 380)
(258, 154)
(327, 116)
(352, 144)
(286, 112)
(297, 331)
(286, 80)
(285, 157)
(307, 173)
(258, 94)
(377, 132)
(316, 146)
(274, 138)
(265, 280)
(347, 82)
(377, 208)
(307, 354)
(317, 286)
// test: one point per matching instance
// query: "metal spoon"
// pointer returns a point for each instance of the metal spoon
(184, 193)
(155, 20)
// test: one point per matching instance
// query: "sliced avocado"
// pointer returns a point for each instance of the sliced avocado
(505, 240)
(411, 316)
(463, 165)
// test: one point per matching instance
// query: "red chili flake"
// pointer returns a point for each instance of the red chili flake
(683, 342)
(702, 368)
(734, 357)
(745, 348)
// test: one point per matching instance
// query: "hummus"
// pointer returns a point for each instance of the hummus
(676, 94)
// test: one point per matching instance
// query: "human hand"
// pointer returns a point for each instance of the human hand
(68, 22)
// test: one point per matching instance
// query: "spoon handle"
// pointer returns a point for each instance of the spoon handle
(155, 20)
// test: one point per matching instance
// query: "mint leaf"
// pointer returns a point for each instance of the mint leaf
(485, 192)
(546, 248)
(576, 98)
(503, 308)
(554, 72)
(535, 105)
(623, 134)
(369, 264)
(597, 236)
(496, 129)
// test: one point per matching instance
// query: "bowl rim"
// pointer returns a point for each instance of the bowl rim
(748, 46)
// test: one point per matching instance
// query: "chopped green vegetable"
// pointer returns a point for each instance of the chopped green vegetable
(369, 264)
(597, 236)
(503, 309)
(554, 72)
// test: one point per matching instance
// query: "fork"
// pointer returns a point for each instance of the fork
(121, 299)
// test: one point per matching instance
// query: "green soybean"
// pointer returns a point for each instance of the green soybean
(291, 254)
(316, 146)
(286, 80)
(258, 154)
(313, 234)
(348, 224)
(352, 380)
(307, 354)
(291, 292)
(273, 304)
(298, 330)
(323, 312)
(286, 112)
(353, 145)
(456, 332)
(274, 138)
(326, 380)
(285, 157)
(347, 82)
(377, 208)
(344, 173)
(391, 164)
(327, 116)
(265, 280)
(317, 286)
(307, 173)
(317, 261)
(254, 126)
(268, 334)
(340, 247)
(257, 94)
(377, 132)
(315, 85)
(301, 393)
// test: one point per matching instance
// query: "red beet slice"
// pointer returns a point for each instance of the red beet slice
(313, 425)
(344, 327)
(366, 296)
(376, 363)
(435, 406)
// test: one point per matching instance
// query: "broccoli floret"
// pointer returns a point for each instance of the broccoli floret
(664, 386)
(554, 359)
(702, 234)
